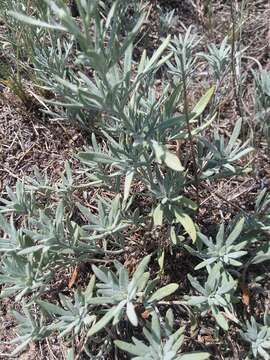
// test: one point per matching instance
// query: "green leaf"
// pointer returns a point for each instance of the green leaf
(163, 155)
(203, 102)
(236, 232)
(174, 121)
(35, 22)
(172, 161)
(241, 154)
(187, 223)
(197, 285)
(31, 249)
(130, 348)
(205, 263)
(100, 273)
(234, 136)
(163, 292)
(21, 347)
(141, 66)
(220, 235)
(101, 300)
(161, 257)
(111, 14)
(141, 267)
(99, 158)
(131, 314)
(261, 258)
(194, 356)
(102, 322)
(128, 182)
(158, 215)
(173, 236)
(197, 300)
(51, 308)
(138, 276)
(169, 319)
(198, 129)
(90, 288)
(157, 53)
(70, 354)
(222, 322)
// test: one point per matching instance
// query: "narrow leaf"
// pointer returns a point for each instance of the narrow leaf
(130, 348)
(163, 155)
(35, 22)
(195, 356)
(158, 215)
(203, 102)
(187, 223)
(163, 292)
(128, 182)
(234, 136)
(96, 157)
(102, 322)
(236, 232)
(131, 314)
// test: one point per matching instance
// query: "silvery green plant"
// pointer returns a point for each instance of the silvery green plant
(108, 225)
(116, 294)
(89, 71)
(50, 230)
(17, 43)
(101, 51)
(23, 268)
(258, 336)
(215, 295)
(71, 317)
(262, 85)
(123, 293)
(24, 275)
(13, 239)
(172, 207)
(135, 123)
(29, 328)
(183, 47)
(218, 58)
(166, 20)
(66, 185)
(220, 156)
(258, 226)
(64, 239)
(225, 250)
(51, 63)
(21, 201)
(262, 101)
(53, 232)
(162, 342)
(262, 203)
(39, 182)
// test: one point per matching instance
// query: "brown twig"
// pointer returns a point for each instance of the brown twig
(224, 199)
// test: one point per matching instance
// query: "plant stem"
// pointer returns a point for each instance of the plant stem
(186, 111)
(234, 76)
